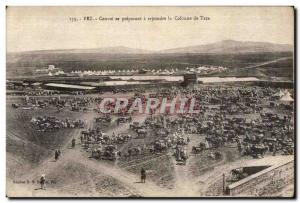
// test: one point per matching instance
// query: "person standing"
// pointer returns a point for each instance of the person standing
(56, 155)
(73, 142)
(143, 175)
(43, 182)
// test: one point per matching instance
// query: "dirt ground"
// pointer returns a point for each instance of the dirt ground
(30, 154)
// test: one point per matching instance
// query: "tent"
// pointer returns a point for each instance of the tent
(279, 94)
(286, 97)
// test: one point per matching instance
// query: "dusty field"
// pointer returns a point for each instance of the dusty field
(31, 153)
(159, 169)
(25, 145)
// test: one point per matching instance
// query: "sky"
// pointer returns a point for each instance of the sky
(47, 28)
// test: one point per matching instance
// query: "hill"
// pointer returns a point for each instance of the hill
(234, 47)
(228, 53)
(221, 47)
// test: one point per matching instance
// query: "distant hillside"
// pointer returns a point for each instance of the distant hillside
(222, 47)
(104, 50)
(231, 54)
(234, 47)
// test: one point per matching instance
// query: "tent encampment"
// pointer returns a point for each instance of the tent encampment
(286, 97)
(279, 94)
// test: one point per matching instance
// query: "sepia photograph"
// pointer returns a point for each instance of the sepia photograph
(150, 102)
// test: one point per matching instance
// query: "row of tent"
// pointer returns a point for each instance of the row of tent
(207, 69)
(123, 71)
(284, 96)
(60, 72)
(160, 71)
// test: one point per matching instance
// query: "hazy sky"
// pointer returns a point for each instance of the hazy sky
(41, 28)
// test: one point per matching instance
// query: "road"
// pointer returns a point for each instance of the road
(184, 182)
(268, 62)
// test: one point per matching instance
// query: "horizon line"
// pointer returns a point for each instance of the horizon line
(147, 50)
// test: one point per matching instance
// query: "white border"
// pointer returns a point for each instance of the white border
(3, 3)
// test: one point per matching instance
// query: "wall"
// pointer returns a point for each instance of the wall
(254, 186)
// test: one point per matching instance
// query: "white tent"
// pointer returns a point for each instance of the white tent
(279, 94)
(286, 97)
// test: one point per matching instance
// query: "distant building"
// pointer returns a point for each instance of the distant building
(50, 71)
(189, 79)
